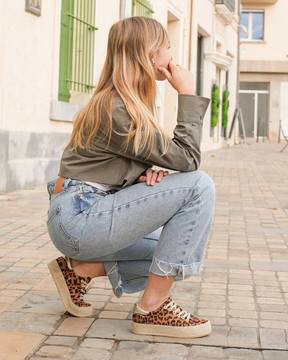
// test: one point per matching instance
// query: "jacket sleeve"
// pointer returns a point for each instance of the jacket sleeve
(184, 148)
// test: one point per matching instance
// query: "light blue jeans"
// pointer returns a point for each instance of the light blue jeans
(162, 228)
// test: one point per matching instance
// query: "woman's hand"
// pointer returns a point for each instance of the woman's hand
(181, 79)
(152, 176)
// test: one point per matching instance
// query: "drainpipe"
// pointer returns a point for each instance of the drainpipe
(122, 9)
(190, 35)
(238, 73)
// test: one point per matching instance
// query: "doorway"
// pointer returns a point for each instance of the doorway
(254, 102)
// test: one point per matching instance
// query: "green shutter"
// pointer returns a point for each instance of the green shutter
(77, 47)
(142, 8)
(66, 50)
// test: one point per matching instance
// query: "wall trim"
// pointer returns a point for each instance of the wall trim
(63, 111)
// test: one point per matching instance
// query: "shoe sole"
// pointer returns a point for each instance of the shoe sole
(65, 294)
(188, 332)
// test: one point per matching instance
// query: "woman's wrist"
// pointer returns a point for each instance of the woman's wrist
(186, 92)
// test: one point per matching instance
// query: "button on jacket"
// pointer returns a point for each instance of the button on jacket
(110, 164)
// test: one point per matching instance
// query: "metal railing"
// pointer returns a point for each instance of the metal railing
(77, 47)
(230, 4)
(142, 8)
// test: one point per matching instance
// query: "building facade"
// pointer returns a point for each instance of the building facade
(51, 55)
(264, 67)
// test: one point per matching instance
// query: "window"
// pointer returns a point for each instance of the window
(253, 20)
(142, 8)
(76, 48)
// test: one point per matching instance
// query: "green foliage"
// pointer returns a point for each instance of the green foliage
(225, 106)
(215, 105)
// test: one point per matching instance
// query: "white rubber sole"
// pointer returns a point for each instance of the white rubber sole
(188, 332)
(64, 292)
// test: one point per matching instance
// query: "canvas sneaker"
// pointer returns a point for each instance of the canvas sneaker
(71, 287)
(169, 320)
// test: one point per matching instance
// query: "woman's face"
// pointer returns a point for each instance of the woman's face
(161, 58)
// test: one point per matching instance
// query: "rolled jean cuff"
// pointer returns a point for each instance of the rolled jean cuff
(162, 268)
(114, 277)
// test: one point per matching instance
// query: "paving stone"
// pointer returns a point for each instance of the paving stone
(273, 339)
(18, 345)
(274, 308)
(272, 301)
(218, 337)
(175, 349)
(246, 314)
(115, 330)
(11, 321)
(47, 284)
(160, 357)
(118, 307)
(39, 302)
(241, 335)
(274, 355)
(202, 352)
(273, 324)
(74, 326)
(41, 324)
(211, 305)
(61, 340)
(274, 316)
(19, 287)
(211, 312)
(243, 354)
(113, 314)
(217, 320)
(91, 354)
(98, 343)
(50, 350)
(132, 350)
(213, 291)
(241, 306)
(243, 322)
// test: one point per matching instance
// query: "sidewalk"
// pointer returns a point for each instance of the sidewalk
(243, 288)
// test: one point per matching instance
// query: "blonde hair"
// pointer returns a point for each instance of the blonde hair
(128, 71)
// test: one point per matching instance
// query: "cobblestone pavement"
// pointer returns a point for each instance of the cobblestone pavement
(243, 288)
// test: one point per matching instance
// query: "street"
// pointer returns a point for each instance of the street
(242, 290)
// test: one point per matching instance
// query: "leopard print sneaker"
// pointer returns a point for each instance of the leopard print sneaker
(71, 288)
(169, 320)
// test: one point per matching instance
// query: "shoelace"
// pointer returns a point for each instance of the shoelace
(83, 289)
(172, 306)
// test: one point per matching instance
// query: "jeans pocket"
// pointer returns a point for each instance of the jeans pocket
(64, 242)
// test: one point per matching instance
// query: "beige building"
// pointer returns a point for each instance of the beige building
(264, 67)
(51, 57)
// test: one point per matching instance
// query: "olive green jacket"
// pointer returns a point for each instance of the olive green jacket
(111, 165)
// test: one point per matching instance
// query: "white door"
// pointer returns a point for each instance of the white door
(284, 108)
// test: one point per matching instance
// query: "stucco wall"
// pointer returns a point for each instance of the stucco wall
(27, 68)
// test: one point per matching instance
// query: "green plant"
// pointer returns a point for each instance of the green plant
(225, 106)
(215, 105)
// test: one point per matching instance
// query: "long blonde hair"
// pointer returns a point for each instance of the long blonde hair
(128, 71)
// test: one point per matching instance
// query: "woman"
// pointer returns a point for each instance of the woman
(108, 207)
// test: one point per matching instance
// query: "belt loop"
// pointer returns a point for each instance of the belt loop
(58, 186)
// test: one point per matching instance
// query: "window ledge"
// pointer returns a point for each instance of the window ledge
(253, 41)
(220, 60)
(63, 111)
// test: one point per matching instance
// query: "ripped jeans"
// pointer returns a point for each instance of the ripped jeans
(161, 229)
